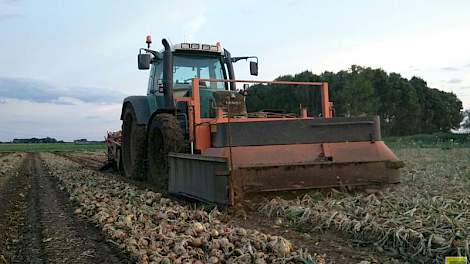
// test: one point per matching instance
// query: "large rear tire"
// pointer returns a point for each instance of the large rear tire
(164, 136)
(133, 146)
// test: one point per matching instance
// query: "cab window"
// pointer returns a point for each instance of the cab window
(185, 68)
(156, 74)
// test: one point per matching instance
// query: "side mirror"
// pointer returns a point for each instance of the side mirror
(254, 68)
(143, 61)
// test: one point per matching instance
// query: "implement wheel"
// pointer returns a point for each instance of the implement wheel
(133, 146)
(164, 135)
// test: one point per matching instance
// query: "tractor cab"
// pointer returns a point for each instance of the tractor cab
(186, 66)
(173, 69)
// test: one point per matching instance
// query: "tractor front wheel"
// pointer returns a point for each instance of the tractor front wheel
(164, 136)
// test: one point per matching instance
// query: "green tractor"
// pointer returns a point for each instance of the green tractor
(154, 125)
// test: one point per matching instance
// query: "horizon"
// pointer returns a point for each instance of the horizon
(66, 67)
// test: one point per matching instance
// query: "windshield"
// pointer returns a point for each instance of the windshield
(187, 67)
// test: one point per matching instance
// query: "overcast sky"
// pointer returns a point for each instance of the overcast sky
(65, 66)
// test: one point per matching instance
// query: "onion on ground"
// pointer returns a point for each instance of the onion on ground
(155, 229)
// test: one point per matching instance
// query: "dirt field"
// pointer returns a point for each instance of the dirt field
(37, 220)
(58, 208)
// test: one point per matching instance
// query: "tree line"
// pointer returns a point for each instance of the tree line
(405, 106)
(36, 140)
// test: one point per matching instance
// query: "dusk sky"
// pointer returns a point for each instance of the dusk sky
(65, 66)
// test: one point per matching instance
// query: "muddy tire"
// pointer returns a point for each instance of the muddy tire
(164, 135)
(133, 146)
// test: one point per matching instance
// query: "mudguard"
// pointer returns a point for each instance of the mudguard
(141, 108)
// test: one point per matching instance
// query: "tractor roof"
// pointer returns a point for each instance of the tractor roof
(198, 47)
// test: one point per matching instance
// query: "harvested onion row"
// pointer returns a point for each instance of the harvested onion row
(9, 163)
(155, 229)
(426, 218)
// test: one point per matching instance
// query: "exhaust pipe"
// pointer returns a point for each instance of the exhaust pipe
(168, 76)
(231, 73)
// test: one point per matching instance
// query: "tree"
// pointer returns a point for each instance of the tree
(405, 106)
(358, 93)
(407, 112)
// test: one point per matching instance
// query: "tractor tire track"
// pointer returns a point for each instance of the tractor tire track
(52, 232)
(32, 250)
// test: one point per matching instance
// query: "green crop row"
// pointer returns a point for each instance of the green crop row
(47, 147)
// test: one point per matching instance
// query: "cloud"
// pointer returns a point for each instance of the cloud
(426, 50)
(450, 69)
(9, 1)
(42, 92)
(458, 68)
(5, 17)
(455, 80)
(413, 68)
(8, 16)
(293, 3)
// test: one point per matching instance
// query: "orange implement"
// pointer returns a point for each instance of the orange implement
(234, 154)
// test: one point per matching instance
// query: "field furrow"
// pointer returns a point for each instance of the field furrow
(41, 226)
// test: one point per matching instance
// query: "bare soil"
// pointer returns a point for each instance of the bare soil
(38, 224)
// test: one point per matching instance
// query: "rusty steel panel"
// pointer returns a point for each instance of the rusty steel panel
(199, 177)
(325, 101)
(253, 156)
(308, 166)
(214, 177)
(296, 131)
(310, 176)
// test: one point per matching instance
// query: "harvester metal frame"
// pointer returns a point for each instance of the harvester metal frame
(331, 152)
(196, 123)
